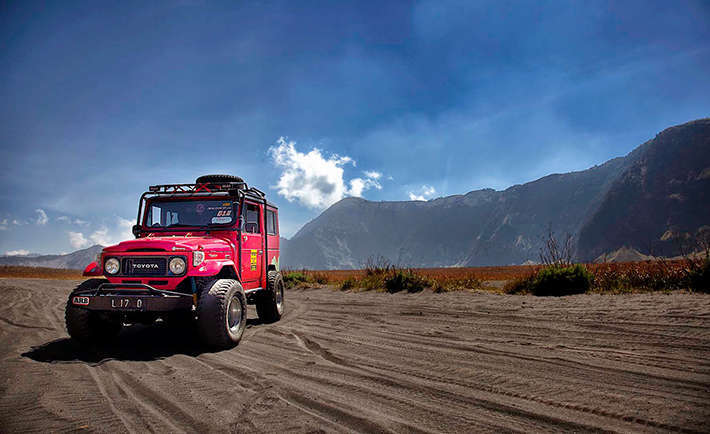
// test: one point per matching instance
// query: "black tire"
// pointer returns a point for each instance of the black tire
(220, 322)
(87, 326)
(206, 179)
(270, 304)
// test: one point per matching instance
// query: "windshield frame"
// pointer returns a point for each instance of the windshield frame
(233, 225)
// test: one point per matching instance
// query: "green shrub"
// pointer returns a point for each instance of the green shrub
(348, 283)
(405, 280)
(558, 281)
(294, 278)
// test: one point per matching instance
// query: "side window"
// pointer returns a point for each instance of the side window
(271, 228)
(252, 219)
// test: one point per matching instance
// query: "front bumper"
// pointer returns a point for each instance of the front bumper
(123, 297)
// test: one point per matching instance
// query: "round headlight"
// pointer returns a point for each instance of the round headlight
(112, 266)
(177, 265)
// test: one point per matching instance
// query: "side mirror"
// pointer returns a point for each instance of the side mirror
(137, 230)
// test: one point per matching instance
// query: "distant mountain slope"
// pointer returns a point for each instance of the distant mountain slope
(488, 227)
(665, 189)
(483, 227)
(74, 261)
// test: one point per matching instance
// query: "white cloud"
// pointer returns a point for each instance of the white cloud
(315, 180)
(77, 240)
(425, 193)
(42, 218)
(3, 225)
(20, 252)
(120, 231)
(358, 185)
(67, 219)
(17, 222)
(372, 174)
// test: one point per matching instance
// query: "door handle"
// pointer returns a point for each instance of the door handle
(261, 251)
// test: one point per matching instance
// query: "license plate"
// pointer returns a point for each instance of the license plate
(126, 303)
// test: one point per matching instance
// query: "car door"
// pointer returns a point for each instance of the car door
(252, 245)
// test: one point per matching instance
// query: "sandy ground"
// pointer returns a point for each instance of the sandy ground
(370, 362)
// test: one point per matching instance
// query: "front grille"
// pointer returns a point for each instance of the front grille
(144, 266)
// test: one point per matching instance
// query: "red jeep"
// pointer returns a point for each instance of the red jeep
(202, 252)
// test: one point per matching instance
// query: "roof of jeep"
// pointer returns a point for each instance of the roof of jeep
(208, 195)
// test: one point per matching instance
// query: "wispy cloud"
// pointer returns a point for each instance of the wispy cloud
(76, 221)
(425, 193)
(104, 236)
(20, 252)
(372, 174)
(77, 240)
(42, 218)
(316, 180)
(358, 185)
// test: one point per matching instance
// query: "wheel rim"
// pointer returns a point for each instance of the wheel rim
(234, 314)
(279, 297)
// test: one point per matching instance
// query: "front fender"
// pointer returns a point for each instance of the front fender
(210, 268)
(93, 269)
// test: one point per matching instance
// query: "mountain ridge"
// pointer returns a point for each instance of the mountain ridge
(76, 260)
(483, 227)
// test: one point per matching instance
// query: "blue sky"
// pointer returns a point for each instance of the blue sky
(314, 101)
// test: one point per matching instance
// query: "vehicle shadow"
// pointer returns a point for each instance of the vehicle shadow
(135, 343)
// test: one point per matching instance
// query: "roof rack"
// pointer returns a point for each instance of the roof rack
(208, 187)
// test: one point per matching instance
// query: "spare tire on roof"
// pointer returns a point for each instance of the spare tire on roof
(208, 179)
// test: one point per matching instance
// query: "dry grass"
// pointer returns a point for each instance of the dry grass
(665, 275)
(510, 272)
(39, 273)
(641, 276)
(608, 278)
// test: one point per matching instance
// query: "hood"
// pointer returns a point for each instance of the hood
(171, 243)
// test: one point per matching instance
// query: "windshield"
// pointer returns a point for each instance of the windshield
(170, 214)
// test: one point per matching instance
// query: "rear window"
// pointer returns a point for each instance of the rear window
(271, 226)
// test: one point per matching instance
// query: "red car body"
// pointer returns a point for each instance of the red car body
(233, 251)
